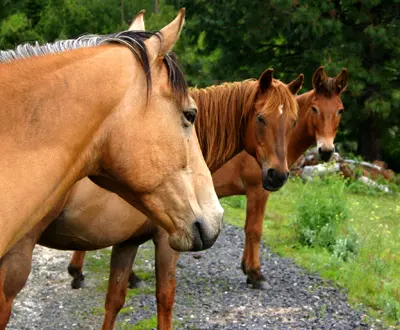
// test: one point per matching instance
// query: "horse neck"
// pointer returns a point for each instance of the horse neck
(301, 139)
(222, 119)
(52, 117)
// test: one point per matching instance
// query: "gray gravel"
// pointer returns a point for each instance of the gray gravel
(211, 294)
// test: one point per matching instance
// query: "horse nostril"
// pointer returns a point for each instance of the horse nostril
(271, 173)
(201, 238)
(276, 177)
(326, 155)
(197, 241)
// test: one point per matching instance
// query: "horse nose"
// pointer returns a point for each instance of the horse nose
(273, 179)
(325, 154)
(201, 238)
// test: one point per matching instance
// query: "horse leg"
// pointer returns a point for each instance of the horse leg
(256, 202)
(122, 257)
(134, 281)
(75, 269)
(166, 260)
(15, 267)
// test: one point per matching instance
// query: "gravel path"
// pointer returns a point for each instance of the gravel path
(211, 294)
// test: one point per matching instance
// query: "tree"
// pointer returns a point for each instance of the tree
(298, 36)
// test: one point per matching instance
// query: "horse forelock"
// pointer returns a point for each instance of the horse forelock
(134, 40)
(279, 100)
(327, 88)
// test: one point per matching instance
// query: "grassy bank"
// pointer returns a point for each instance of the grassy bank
(371, 274)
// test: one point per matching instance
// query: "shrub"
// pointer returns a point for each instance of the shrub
(320, 211)
(347, 246)
(360, 188)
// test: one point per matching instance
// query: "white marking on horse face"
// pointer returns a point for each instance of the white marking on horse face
(280, 108)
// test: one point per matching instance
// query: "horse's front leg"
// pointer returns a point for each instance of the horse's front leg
(256, 202)
(15, 267)
(166, 260)
(75, 269)
(122, 257)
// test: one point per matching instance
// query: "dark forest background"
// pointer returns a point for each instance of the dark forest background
(228, 40)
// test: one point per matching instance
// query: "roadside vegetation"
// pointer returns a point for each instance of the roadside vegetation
(347, 232)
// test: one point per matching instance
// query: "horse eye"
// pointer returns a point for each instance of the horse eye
(294, 123)
(314, 109)
(340, 111)
(190, 115)
(260, 119)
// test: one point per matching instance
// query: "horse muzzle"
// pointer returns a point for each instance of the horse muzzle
(202, 238)
(325, 154)
(273, 179)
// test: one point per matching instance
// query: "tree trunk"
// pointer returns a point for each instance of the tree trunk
(369, 142)
(156, 7)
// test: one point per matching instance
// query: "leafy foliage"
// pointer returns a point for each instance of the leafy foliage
(322, 213)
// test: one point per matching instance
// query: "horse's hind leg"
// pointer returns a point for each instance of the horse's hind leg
(15, 267)
(122, 257)
(134, 281)
(166, 259)
(75, 269)
(256, 202)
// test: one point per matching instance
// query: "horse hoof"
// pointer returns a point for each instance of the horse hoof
(78, 282)
(262, 285)
(134, 282)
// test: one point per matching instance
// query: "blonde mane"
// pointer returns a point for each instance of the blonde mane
(224, 111)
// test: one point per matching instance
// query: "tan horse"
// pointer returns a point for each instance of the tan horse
(319, 116)
(79, 113)
(232, 116)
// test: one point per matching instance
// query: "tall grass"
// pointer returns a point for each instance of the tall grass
(350, 238)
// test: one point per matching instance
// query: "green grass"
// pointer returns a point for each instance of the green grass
(146, 324)
(372, 277)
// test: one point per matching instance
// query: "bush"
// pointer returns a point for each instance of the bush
(346, 247)
(320, 211)
(357, 187)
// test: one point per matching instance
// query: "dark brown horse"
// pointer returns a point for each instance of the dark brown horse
(320, 111)
(255, 114)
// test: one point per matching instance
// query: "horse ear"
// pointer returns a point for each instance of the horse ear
(341, 81)
(296, 84)
(138, 22)
(266, 79)
(169, 36)
(318, 78)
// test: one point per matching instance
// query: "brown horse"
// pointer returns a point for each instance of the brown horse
(236, 113)
(83, 113)
(319, 116)
(320, 111)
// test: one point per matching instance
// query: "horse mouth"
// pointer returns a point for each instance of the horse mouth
(271, 187)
